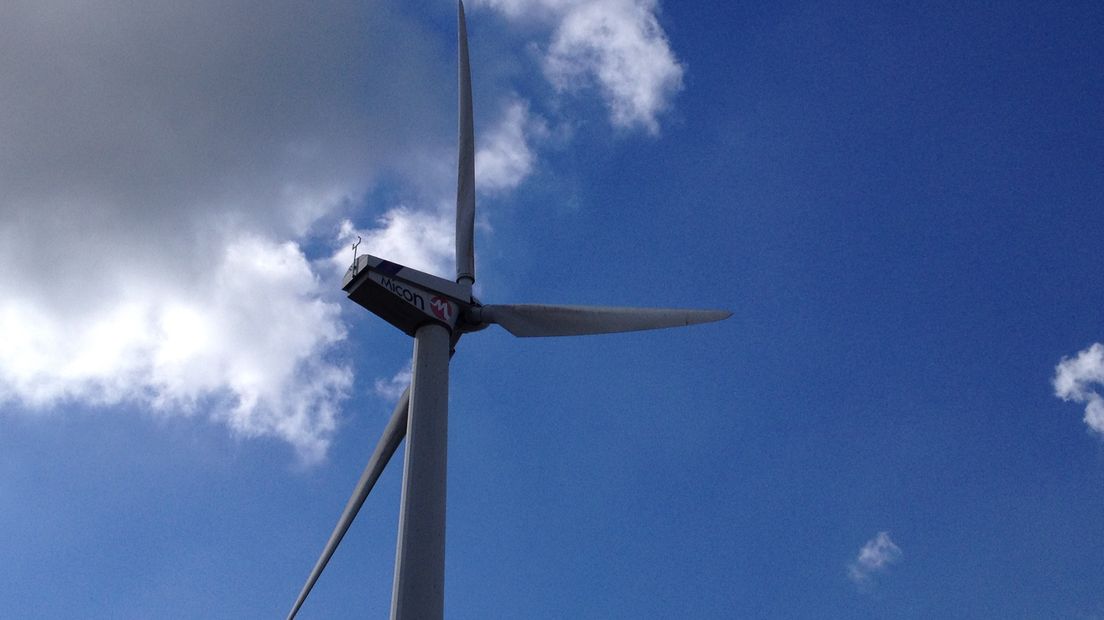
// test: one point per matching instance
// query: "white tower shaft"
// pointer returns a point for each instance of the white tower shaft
(419, 588)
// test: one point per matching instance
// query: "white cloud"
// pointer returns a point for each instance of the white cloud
(504, 157)
(620, 44)
(1078, 380)
(422, 240)
(392, 388)
(875, 557)
(250, 338)
(616, 44)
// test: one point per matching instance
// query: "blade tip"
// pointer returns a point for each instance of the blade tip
(709, 316)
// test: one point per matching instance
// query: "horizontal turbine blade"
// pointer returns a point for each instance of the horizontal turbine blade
(393, 433)
(531, 320)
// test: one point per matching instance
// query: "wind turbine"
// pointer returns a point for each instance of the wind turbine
(436, 313)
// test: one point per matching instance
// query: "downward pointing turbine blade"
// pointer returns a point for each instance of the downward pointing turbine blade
(530, 320)
(393, 433)
(465, 178)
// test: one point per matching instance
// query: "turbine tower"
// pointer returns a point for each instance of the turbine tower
(436, 313)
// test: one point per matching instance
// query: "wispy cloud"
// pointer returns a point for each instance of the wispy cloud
(1078, 379)
(505, 156)
(392, 388)
(875, 557)
(617, 46)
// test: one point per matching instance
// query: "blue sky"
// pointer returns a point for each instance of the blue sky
(901, 206)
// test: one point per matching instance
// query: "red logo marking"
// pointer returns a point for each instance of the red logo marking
(441, 308)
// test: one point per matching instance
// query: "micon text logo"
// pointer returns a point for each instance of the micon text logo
(441, 308)
(410, 296)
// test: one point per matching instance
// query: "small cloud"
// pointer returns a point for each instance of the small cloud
(391, 389)
(505, 157)
(620, 45)
(616, 45)
(875, 557)
(1078, 379)
(422, 240)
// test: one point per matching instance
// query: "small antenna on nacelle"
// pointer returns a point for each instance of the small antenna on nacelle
(354, 255)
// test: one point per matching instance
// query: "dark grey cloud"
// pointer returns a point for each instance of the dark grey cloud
(165, 111)
(155, 157)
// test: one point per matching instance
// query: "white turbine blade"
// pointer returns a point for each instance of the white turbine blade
(393, 433)
(530, 320)
(465, 178)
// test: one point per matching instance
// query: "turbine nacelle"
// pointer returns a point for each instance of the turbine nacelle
(405, 297)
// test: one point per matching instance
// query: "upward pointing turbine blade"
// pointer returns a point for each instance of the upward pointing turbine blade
(465, 179)
(532, 320)
(393, 433)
